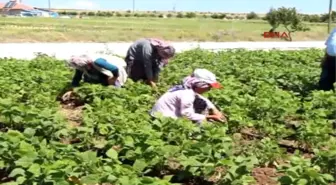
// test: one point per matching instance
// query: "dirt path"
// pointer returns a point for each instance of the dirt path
(265, 176)
(72, 114)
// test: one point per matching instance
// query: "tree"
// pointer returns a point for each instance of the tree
(288, 17)
(252, 15)
(191, 15)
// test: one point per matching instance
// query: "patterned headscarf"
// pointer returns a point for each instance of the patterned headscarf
(190, 83)
(165, 50)
(79, 62)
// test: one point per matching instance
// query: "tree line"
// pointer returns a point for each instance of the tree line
(251, 16)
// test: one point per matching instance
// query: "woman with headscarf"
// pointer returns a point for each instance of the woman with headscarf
(106, 71)
(187, 102)
(146, 57)
(205, 75)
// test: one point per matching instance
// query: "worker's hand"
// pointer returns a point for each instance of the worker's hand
(152, 84)
(219, 114)
(216, 118)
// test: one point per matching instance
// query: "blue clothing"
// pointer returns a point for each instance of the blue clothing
(95, 76)
(331, 43)
(104, 64)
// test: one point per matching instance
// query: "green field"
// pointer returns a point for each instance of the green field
(129, 28)
(279, 129)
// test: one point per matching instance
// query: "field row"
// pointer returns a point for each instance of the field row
(130, 29)
(279, 130)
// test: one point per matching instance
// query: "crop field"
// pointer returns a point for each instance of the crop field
(280, 130)
(93, 29)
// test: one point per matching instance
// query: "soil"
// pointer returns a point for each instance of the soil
(265, 176)
(73, 114)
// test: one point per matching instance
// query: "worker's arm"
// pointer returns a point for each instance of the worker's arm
(100, 62)
(77, 78)
(213, 109)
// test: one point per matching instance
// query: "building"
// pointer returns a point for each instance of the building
(15, 8)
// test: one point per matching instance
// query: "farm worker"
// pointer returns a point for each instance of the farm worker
(146, 57)
(183, 102)
(205, 75)
(106, 71)
(327, 78)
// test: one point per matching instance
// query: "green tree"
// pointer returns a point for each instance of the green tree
(91, 14)
(252, 15)
(180, 15)
(288, 17)
(190, 15)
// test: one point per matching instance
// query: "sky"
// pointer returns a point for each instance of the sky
(230, 6)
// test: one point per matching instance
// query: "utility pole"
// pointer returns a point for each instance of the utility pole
(49, 5)
(133, 6)
(330, 16)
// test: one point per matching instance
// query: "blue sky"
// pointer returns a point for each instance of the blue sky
(239, 6)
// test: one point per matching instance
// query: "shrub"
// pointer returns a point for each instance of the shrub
(252, 15)
(91, 14)
(180, 15)
(190, 15)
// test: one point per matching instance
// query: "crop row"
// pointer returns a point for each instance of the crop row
(268, 96)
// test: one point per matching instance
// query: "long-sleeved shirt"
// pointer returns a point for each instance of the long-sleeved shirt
(96, 74)
(210, 105)
(178, 104)
(145, 60)
(331, 43)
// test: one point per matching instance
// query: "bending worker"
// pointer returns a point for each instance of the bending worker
(105, 71)
(205, 75)
(188, 102)
(328, 78)
(146, 57)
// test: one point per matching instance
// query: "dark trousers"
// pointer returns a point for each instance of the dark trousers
(136, 71)
(328, 78)
(102, 79)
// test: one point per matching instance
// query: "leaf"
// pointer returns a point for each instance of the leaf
(302, 182)
(111, 153)
(124, 180)
(2, 164)
(139, 165)
(24, 162)
(285, 180)
(129, 141)
(35, 169)
(17, 172)
(328, 177)
(21, 180)
(29, 132)
(147, 180)
(90, 179)
(112, 178)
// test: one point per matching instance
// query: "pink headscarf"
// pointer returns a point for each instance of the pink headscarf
(190, 81)
(80, 62)
(165, 49)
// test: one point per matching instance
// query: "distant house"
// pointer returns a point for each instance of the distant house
(13, 7)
